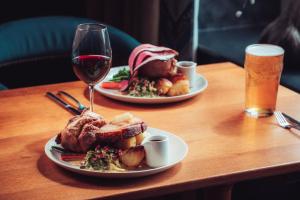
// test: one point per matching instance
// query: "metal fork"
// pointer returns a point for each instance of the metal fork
(80, 106)
(282, 121)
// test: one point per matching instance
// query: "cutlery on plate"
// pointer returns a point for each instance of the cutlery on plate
(59, 149)
(283, 122)
(63, 103)
(80, 106)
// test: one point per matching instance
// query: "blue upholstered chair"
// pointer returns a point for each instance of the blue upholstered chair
(37, 50)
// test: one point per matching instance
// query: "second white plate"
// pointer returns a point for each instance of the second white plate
(201, 85)
(178, 150)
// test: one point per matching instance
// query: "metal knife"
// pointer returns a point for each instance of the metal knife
(292, 120)
(63, 104)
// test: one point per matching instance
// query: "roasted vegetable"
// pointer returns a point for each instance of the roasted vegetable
(163, 85)
(180, 87)
(122, 118)
(113, 85)
(133, 156)
(140, 137)
(127, 143)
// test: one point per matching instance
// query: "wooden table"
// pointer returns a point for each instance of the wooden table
(225, 146)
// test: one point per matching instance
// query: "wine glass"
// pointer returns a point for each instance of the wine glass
(91, 55)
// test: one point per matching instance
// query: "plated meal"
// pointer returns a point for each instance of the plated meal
(150, 77)
(91, 145)
(102, 145)
(152, 72)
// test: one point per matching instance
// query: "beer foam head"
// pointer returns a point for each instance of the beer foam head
(264, 50)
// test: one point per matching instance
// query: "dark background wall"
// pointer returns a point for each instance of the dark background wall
(217, 20)
(14, 9)
(224, 34)
(218, 14)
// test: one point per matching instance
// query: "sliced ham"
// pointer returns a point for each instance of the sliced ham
(146, 51)
(148, 56)
(159, 61)
(136, 51)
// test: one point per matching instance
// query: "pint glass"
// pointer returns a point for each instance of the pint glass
(263, 67)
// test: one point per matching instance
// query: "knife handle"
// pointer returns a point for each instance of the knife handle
(63, 104)
(73, 110)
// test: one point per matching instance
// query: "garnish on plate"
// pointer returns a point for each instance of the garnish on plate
(118, 80)
(123, 74)
(142, 88)
(105, 158)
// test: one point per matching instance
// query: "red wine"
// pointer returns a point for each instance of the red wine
(91, 68)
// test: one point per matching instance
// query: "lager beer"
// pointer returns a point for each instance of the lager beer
(263, 67)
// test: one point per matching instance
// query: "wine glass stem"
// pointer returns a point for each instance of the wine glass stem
(91, 88)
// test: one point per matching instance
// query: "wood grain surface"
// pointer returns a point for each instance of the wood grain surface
(225, 145)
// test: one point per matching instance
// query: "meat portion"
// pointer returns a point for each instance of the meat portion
(158, 69)
(87, 137)
(133, 129)
(69, 137)
(88, 129)
(145, 53)
(152, 62)
(111, 133)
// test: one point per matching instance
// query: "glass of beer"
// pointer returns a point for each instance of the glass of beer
(263, 67)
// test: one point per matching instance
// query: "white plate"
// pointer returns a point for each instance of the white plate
(177, 145)
(200, 85)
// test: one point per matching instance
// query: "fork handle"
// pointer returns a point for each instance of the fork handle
(80, 106)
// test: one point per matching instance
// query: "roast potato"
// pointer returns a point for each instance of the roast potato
(180, 87)
(163, 85)
(127, 143)
(133, 156)
(122, 118)
(140, 137)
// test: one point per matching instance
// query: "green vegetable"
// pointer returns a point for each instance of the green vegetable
(123, 74)
(102, 159)
(142, 88)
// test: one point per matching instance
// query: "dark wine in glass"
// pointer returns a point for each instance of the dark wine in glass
(91, 68)
(91, 55)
